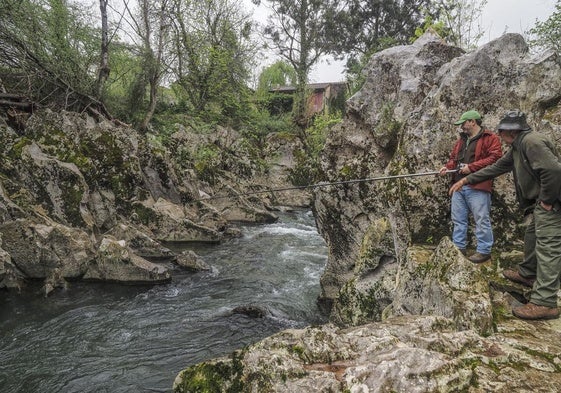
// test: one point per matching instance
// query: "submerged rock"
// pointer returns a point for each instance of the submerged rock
(191, 261)
(251, 311)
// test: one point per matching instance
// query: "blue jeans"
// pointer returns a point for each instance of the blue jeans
(478, 203)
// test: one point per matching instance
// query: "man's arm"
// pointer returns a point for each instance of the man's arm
(503, 165)
(547, 166)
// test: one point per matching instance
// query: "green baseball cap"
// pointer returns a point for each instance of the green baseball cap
(469, 115)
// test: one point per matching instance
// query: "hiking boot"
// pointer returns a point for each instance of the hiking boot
(479, 258)
(463, 251)
(533, 311)
(514, 276)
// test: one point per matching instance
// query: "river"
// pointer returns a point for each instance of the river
(113, 338)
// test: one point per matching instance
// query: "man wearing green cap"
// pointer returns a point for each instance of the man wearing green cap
(475, 149)
(536, 165)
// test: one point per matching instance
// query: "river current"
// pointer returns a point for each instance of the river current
(113, 338)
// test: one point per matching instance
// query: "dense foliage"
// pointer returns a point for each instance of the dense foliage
(47, 52)
(185, 56)
(547, 34)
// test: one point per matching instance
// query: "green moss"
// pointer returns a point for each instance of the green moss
(17, 149)
(347, 172)
(549, 357)
(52, 136)
(83, 163)
(72, 196)
(389, 127)
(358, 307)
(471, 363)
(207, 162)
(493, 366)
(206, 378)
(369, 304)
(370, 252)
(122, 184)
(144, 215)
(213, 377)
(299, 351)
(429, 267)
(23, 198)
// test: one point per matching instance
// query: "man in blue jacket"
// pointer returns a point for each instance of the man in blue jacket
(536, 165)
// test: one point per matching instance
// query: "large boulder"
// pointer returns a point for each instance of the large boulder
(10, 276)
(142, 244)
(115, 262)
(401, 354)
(43, 249)
(430, 281)
(401, 122)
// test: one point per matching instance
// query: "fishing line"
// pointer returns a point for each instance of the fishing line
(311, 186)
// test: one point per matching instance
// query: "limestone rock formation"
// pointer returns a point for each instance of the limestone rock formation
(10, 276)
(41, 249)
(116, 262)
(68, 183)
(401, 122)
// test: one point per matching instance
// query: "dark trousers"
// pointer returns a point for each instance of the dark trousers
(542, 255)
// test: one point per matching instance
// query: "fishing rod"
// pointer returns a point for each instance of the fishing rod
(310, 186)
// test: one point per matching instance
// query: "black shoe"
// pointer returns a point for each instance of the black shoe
(479, 258)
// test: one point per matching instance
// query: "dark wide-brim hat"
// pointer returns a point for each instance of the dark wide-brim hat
(513, 121)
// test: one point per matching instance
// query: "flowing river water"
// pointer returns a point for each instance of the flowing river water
(114, 338)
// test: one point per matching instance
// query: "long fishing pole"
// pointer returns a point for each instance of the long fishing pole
(310, 186)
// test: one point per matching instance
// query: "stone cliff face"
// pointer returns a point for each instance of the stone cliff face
(400, 122)
(81, 199)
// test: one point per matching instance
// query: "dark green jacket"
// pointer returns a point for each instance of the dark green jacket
(536, 165)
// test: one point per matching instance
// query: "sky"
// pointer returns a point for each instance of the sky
(498, 17)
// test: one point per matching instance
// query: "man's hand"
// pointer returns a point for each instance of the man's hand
(464, 170)
(457, 186)
(546, 206)
(443, 171)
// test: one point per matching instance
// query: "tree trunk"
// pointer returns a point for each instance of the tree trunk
(103, 72)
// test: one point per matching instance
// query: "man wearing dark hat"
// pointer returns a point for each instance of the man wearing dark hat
(536, 165)
(475, 149)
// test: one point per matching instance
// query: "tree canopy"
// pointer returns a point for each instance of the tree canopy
(132, 60)
(547, 34)
(47, 52)
(298, 32)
